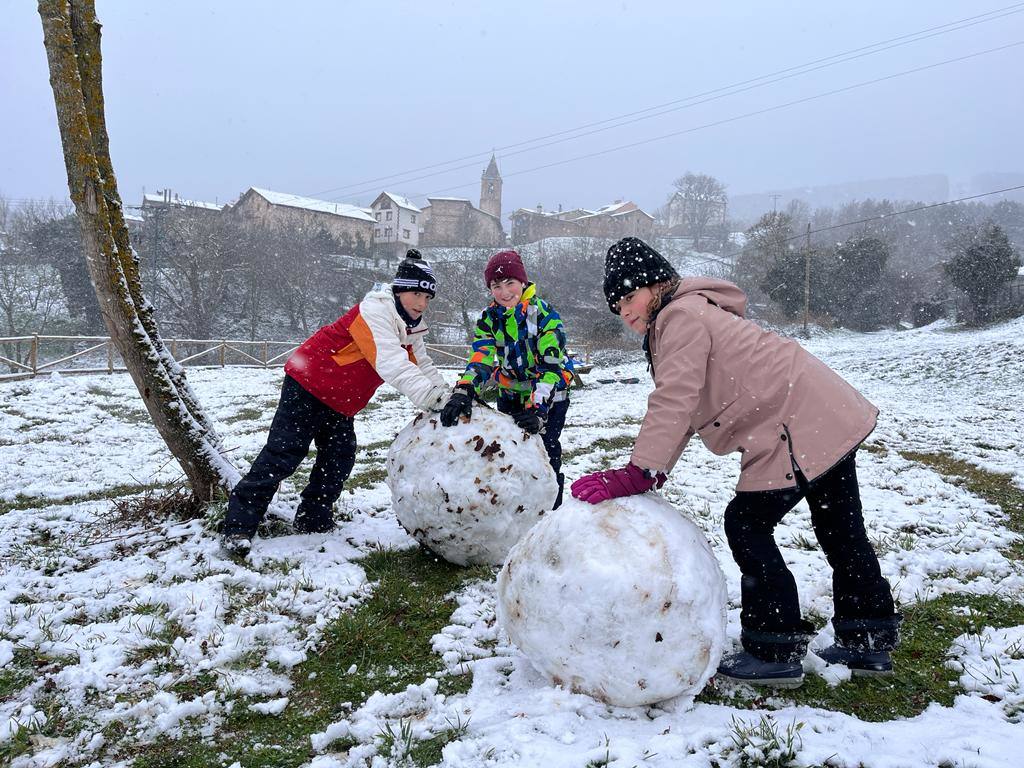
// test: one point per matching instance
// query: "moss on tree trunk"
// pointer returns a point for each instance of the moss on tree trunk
(71, 35)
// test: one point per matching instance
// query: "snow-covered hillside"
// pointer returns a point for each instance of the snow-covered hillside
(103, 619)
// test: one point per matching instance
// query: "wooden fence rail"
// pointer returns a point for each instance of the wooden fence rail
(99, 354)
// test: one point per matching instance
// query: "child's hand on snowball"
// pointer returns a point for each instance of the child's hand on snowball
(615, 483)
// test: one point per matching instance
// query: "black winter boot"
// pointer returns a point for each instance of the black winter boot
(860, 663)
(235, 544)
(864, 645)
(868, 635)
(769, 658)
(313, 524)
(743, 667)
(561, 486)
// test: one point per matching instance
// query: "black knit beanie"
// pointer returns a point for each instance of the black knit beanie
(630, 264)
(414, 274)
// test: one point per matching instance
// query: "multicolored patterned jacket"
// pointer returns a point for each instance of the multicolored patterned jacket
(522, 349)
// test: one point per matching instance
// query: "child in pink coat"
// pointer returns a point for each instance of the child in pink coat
(796, 426)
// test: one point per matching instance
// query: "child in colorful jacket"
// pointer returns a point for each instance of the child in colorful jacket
(520, 345)
(796, 425)
(328, 380)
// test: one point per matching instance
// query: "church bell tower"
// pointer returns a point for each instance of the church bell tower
(490, 190)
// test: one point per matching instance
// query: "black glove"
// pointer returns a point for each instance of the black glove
(459, 404)
(529, 420)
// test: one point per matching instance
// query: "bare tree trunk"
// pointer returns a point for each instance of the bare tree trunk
(71, 35)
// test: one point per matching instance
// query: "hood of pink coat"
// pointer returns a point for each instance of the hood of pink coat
(724, 294)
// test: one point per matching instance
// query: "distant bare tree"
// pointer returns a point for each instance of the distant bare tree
(462, 294)
(199, 273)
(30, 295)
(700, 201)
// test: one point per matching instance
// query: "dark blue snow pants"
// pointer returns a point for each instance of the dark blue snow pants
(552, 433)
(772, 628)
(301, 419)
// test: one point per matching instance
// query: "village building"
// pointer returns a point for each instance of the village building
(681, 212)
(160, 206)
(453, 221)
(618, 219)
(344, 222)
(165, 200)
(529, 225)
(397, 227)
(615, 220)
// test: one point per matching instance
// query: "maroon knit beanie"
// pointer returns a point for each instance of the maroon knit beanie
(503, 265)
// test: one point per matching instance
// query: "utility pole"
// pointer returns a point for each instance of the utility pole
(775, 202)
(807, 281)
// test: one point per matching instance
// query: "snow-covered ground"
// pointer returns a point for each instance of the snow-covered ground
(93, 595)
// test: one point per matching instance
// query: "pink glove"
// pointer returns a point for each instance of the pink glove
(615, 483)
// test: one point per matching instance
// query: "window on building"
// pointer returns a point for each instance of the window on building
(387, 232)
(378, 215)
(376, 232)
(388, 217)
(414, 218)
(405, 234)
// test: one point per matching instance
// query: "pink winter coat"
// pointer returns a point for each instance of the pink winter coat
(744, 389)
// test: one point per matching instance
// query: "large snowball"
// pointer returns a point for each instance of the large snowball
(623, 600)
(469, 492)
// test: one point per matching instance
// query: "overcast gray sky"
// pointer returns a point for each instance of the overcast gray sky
(316, 98)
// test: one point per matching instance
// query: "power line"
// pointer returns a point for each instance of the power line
(746, 115)
(670, 106)
(667, 107)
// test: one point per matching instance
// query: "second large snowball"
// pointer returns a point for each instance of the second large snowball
(622, 600)
(469, 492)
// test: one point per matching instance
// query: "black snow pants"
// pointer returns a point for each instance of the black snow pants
(300, 420)
(551, 436)
(772, 628)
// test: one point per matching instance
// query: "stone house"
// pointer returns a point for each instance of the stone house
(341, 220)
(618, 219)
(166, 200)
(530, 225)
(453, 221)
(615, 220)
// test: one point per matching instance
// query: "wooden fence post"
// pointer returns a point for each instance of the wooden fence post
(33, 354)
(110, 355)
(265, 354)
(223, 347)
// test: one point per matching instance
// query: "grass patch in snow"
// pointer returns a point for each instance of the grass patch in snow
(21, 501)
(387, 638)
(367, 478)
(920, 677)
(604, 444)
(878, 449)
(33, 422)
(16, 675)
(249, 413)
(994, 487)
(372, 448)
